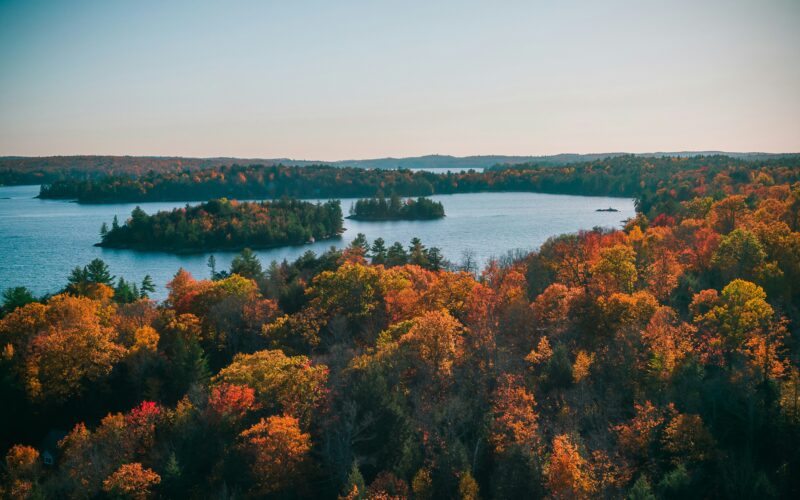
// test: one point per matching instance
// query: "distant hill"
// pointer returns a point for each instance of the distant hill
(37, 170)
(467, 162)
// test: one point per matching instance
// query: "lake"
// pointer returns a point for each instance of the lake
(42, 240)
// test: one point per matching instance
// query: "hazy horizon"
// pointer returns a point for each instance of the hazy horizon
(373, 158)
(364, 80)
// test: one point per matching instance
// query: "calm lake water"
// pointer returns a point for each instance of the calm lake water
(42, 240)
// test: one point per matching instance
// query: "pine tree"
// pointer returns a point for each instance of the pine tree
(355, 488)
(212, 266)
(147, 287)
(97, 272)
(378, 251)
(247, 264)
(396, 255)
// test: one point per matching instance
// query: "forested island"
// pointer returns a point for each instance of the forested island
(222, 224)
(379, 208)
(655, 361)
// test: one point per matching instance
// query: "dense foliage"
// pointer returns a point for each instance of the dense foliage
(379, 208)
(227, 224)
(652, 180)
(48, 169)
(657, 361)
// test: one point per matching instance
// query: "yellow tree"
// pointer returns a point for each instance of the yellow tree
(279, 452)
(131, 481)
(437, 340)
(687, 439)
(727, 214)
(76, 346)
(740, 320)
(514, 419)
(669, 341)
(23, 470)
(662, 274)
(636, 436)
(616, 269)
(353, 290)
(569, 475)
(282, 383)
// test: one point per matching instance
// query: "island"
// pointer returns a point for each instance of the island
(609, 209)
(378, 208)
(222, 224)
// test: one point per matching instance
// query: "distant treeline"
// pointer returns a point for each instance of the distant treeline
(379, 208)
(49, 169)
(15, 170)
(243, 182)
(226, 224)
(652, 180)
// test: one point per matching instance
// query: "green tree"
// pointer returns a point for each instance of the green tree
(378, 251)
(355, 488)
(16, 297)
(360, 242)
(124, 292)
(616, 269)
(212, 266)
(435, 259)
(246, 264)
(97, 272)
(417, 254)
(147, 287)
(641, 490)
(740, 255)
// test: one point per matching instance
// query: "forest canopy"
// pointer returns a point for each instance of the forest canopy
(655, 361)
(652, 180)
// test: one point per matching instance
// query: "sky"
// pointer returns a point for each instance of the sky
(332, 80)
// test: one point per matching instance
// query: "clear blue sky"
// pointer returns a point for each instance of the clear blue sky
(357, 79)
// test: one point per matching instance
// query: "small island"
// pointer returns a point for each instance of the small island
(379, 208)
(609, 209)
(223, 224)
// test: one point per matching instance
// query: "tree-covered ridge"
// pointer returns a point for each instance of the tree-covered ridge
(227, 224)
(657, 361)
(379, 208)
(650, 179)
(46, 170)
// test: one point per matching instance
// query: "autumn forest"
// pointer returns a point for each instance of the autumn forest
(655, 361)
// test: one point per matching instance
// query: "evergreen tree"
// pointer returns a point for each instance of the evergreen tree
(360, 241)
(396, 255)
(147, 287)
(378, 251)
(355, 488)
(435, 259)
(212, 266)
(172, 477)
(97, 272)
(124, 293)
(16, 297)
(247, 264)
(78, 276)
(416, 253)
